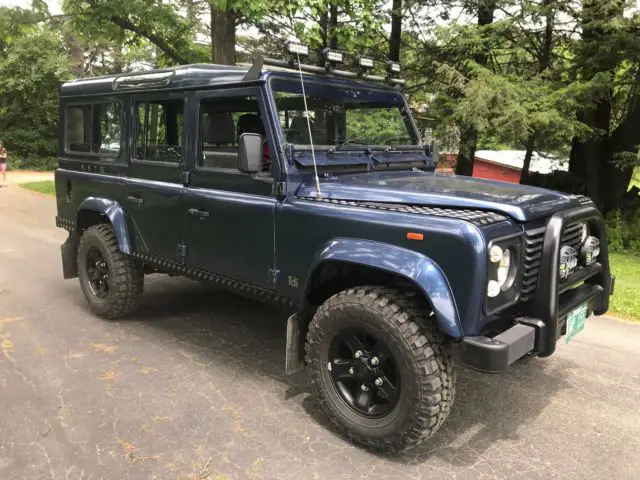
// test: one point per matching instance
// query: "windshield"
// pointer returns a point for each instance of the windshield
(342, 116)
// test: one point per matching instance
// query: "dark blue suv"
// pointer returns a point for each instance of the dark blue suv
(310, 187)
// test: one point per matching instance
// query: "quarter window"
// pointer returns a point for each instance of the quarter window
(94, 128)
(159, 136)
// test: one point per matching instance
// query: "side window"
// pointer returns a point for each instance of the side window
(222, 121)
(94, 128)
(159, 130)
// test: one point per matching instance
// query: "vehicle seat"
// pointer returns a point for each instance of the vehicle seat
(219, 129)
(250, 123)
(219, 149)
(299, 131)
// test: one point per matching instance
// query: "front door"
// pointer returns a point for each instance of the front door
(229, 215)
(154, 187)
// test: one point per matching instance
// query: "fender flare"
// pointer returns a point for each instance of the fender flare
(113, 211)
(414, 266)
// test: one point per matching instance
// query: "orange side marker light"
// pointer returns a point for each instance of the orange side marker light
(415, 236)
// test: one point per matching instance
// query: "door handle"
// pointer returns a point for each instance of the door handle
(136, 200)
(198, 213)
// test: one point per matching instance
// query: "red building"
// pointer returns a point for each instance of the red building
(502, 165)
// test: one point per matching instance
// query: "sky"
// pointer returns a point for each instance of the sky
(54, 5)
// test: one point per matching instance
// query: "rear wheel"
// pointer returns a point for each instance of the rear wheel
(380, 369)
(111, 281)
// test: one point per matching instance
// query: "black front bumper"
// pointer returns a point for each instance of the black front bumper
(538, 332)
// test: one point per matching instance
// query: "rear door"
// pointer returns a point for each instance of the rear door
(154, 187)
(229, 215)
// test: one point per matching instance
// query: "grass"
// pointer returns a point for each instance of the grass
(635, 179)
(46, 186)
(625, 302)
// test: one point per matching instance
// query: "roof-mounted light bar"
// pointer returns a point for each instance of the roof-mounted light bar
(297, 48)
(365, 64)
(332, 58)
(393, 68)
(256, 70)
(147, 80)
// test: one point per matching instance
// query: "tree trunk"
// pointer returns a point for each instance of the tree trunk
(467, 150)
(333, 25)
(468, 133)
(223, 36)
(323, 22)
(396, 31)
(531, 142)
(544, 60)
(591, 158)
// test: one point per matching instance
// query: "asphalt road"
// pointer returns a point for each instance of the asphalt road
(192, 387)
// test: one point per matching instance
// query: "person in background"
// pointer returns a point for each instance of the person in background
(3, 163)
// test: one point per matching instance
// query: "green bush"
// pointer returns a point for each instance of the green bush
(623, 230)
(40, 164)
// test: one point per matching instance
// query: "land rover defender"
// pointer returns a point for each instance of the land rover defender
(310, 187)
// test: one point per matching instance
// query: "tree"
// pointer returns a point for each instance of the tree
(608, 56)
(32, 67)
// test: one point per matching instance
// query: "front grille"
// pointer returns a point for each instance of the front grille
(572, 236)
(533, 245)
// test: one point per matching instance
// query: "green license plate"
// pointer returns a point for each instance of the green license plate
(575, 321)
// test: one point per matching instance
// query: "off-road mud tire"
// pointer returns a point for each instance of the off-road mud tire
(402, 321)
(126, 275)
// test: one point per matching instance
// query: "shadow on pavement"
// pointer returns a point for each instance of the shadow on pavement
(250, 336)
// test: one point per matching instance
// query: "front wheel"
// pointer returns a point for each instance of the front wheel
(380, 369)
(111, 281)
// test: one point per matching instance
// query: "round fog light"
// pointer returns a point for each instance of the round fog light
(590, 251)
(568, 261)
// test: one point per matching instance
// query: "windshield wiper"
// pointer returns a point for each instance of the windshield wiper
(355, 141)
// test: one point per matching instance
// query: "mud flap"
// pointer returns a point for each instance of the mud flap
(294, 357)
(69, 250)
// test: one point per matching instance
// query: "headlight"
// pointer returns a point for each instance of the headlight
(585, 232)
(568, 261)
(589, 251)
(501, 272)
(504, 268)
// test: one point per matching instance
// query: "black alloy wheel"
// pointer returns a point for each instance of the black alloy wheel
(97, 273)
(380, 369)
(364, 373)
(111, 281)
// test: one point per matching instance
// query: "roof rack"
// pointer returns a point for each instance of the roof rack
(158, 78)
(256, 69)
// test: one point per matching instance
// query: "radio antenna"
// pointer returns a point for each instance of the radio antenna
(306, 110)
(306, 115)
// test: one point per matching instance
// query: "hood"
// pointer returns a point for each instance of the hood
(520, 202)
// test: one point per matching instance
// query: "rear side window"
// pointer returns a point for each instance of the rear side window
(94, 128)
(159, 130)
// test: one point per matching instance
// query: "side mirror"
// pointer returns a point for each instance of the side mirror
(250, 153)
(432, 151)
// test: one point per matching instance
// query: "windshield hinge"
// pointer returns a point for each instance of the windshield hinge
(182, 252)
(278, 189)
(272, 277)
(185, 177)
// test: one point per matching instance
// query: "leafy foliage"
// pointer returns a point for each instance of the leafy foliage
(32, 67)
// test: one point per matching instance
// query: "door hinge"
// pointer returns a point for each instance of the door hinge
(185, 177)
(273, 277)
(182, 251)
(278, 189)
